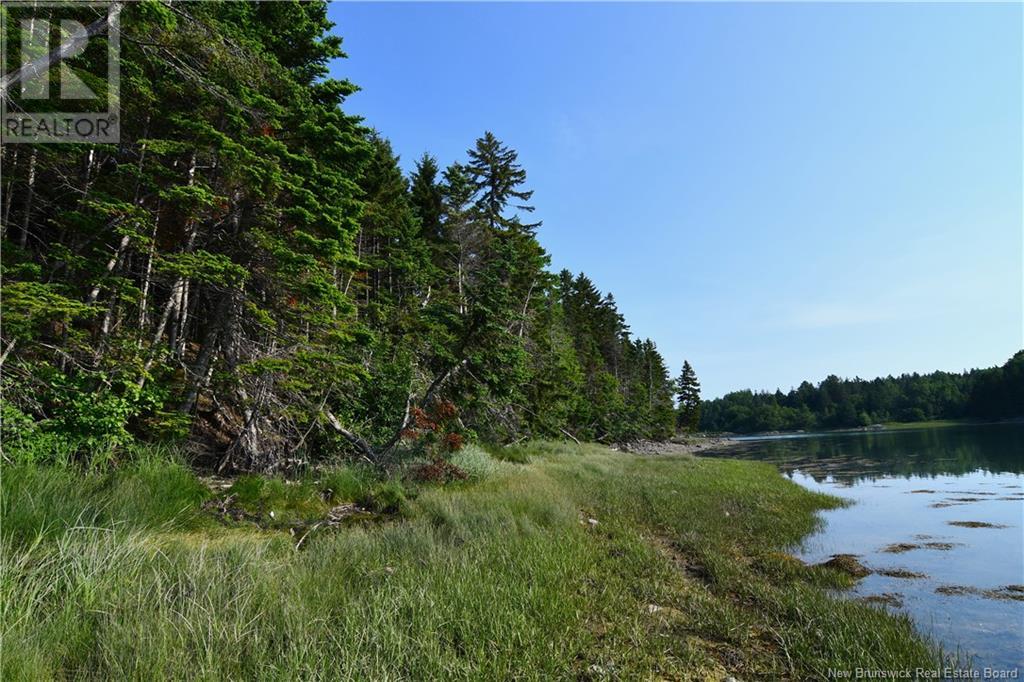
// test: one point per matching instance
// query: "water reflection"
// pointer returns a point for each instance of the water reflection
(851, 457)
(937, 515)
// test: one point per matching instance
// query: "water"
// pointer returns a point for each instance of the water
(906, 487)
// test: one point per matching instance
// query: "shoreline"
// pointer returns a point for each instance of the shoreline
(700, 442)
(579, 563)
(680, 445)
(873, 428)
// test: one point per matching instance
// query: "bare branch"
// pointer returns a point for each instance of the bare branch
(360, 444)
(41, 65)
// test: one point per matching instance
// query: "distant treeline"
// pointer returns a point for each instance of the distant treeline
(996, 393)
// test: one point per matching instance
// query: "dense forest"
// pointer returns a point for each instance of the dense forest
(250, 272)
(995, 393)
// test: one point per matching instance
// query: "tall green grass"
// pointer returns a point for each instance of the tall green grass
(501, 577)
(38, 503)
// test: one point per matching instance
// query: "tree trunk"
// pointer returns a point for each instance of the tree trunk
(178, 347)
(111, 264)
(172, 302)
(201, 368)
(147, 277)
(7, 351)
(177, 290)
(526, 307)
(29, 193)
(126, 239)
(9, 195)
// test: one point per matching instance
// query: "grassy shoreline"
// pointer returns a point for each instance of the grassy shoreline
(582, 563)
(875, 428)
(939, 424)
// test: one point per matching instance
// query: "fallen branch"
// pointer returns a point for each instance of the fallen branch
(569, 435)
(359, 443)
(435, 385)
(373, 455)
(305, 535)
(7, 351)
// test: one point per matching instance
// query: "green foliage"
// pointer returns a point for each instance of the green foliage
(249, 268)
(96, 421)
(621, 385)
(998, 392)
(203, 267)
(347, 483)
(497, 178)
(427, 198)
(995, 393)
(30, 305)
(688, 394)
(206, 242)
(89, 414)
(26, 441)
(516, 454)
(554, 390)
(386, 497)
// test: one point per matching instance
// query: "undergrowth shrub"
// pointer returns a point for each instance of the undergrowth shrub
(436, 471)
(24, 441)
(90, 417)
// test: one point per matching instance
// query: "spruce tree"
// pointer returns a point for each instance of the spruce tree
(497, 178)
(464, 234)
(427, 198)
(688, 393)
(250, 270)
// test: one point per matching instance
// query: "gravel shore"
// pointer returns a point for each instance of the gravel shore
(678, 446)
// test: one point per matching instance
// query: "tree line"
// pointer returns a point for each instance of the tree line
(249, 271)
(994, 393)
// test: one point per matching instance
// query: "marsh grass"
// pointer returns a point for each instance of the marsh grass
(502, 577)
(517, 454)
(46, 503)
(930, 424)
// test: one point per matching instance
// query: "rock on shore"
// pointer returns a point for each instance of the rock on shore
(687, 445)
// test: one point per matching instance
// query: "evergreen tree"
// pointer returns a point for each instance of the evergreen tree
(249, 270)
(465, 234)
(427, 198)
(554, 388)
(191, 268)
(688, 393)
(497, 178)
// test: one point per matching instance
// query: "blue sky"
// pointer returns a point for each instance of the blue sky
(775, 192)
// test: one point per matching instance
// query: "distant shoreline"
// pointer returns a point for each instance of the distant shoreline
(887, 426)
(691, 444)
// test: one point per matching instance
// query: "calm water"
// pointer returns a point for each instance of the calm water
(907, 486)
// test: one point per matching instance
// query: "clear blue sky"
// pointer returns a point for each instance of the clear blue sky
(775, 192)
